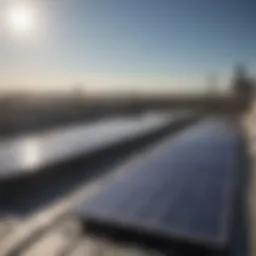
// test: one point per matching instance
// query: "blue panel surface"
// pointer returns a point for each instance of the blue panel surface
(183, 189)
(27, 153)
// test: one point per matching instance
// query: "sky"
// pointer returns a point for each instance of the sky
(126, 45)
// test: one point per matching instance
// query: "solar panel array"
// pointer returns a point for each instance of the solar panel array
(183, 190)
(27, 153)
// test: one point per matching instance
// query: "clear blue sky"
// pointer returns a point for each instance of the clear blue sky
(128, 44)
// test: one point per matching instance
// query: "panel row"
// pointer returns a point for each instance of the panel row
(182, 191)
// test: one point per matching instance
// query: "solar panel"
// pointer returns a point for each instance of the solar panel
(28, 153)
(182, 190)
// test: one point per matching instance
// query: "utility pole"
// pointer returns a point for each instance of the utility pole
(212, 84)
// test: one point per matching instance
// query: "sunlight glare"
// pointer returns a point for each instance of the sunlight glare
(21, 19)
(30, 156)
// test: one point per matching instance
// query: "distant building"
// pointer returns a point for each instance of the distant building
(243, 87)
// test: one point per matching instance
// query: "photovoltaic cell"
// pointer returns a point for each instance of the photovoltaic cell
(184, 189)
(28, 153)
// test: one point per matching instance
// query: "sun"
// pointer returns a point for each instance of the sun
(21, 19)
